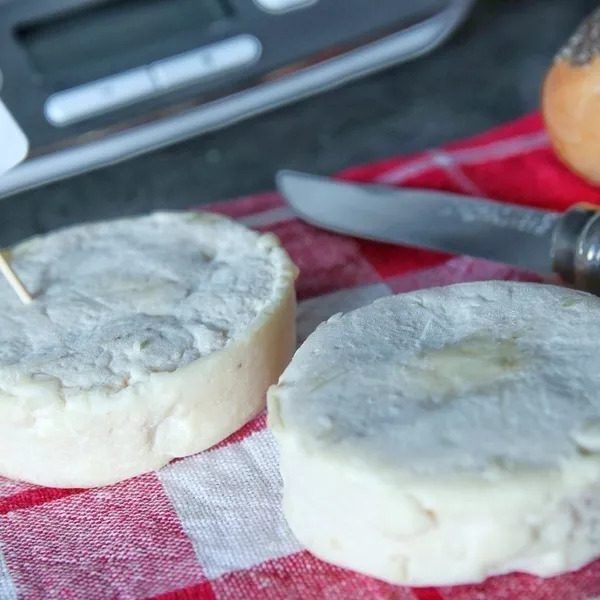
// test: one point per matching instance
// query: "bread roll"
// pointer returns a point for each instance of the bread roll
(446, 435)
(571, 100)
(148, 339)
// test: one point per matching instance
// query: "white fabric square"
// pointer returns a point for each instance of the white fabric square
(229, 504)
(7, 587)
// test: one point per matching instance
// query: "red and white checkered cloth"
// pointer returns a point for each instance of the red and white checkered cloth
(210, 526)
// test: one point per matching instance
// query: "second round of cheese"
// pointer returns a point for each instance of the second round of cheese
(148, 338)
(446, 435)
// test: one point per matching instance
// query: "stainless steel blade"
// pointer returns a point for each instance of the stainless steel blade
(454, 223)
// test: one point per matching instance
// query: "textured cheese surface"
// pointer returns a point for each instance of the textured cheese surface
(118, 300)
(452, 380)
(476, 404)
(148, 338)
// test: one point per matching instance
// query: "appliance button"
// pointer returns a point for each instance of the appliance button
(81, 102)
(279, 6)
(205, 62)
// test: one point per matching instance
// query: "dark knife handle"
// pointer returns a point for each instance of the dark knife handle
(576, 247)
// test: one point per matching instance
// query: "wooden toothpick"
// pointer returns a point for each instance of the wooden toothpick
(15, 283)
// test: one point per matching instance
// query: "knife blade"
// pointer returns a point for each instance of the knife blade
(539, 241)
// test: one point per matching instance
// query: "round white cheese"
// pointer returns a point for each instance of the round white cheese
(148, 338)
(445, 435)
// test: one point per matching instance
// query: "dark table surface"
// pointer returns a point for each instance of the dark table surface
(488, 73)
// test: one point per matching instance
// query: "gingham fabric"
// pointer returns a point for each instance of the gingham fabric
(210, 526)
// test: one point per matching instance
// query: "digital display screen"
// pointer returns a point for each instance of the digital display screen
(103, 32)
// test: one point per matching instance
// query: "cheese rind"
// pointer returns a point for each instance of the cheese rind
(149, 338)
(446, 435)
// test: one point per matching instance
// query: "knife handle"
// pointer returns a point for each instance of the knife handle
(576, 247)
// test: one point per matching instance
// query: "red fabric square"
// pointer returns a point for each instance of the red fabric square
(535, 179)
(32, 496)
(327, 261)
(301, 577)
(123, 541)
(432, 178)
(200, 591)
(580, 585)
(391, 261)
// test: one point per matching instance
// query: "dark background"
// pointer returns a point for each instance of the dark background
(489, 72)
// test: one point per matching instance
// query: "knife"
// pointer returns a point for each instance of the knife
(544, 242)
